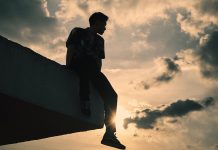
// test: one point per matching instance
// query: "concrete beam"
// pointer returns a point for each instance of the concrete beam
(39, 98)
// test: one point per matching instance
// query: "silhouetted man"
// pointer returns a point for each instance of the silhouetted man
(85, 51)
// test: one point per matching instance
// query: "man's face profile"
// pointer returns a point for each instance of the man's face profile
(101, 27)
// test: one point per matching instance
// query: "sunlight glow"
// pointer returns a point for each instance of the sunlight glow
(122, 113)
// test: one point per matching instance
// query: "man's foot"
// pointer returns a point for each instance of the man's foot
(110, 139)
(85, 108)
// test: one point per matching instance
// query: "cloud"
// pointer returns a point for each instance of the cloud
(25, 20)
(159, 32)
(53, 6)
(147, 118)
(208, 54)
(30, 23)
(168, 69)
(208, 7)
(198, 16)
(189, 25)
(185, 56)
(131, 12)
(204, 55)
(166, 36)
(73, 11)
(203, 58)
(171, 70)
(161, 37)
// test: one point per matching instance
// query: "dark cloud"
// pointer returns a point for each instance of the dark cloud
(208, 7)
(208, 54)
(53, 5)
(176, 109)
(208, 101)
(170, 70)
(25, 19)
(181, 108)
(166, 35)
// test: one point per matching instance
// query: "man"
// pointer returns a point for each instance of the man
(85, 51)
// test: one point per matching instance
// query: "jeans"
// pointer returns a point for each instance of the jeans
(88, 72)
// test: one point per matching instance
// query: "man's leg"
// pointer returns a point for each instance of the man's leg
(109, 97)
(84, 90)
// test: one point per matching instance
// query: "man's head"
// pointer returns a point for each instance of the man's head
(98, 22)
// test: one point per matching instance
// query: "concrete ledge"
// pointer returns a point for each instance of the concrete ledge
(40, 98)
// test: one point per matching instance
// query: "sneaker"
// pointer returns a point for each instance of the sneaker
(110, 139)
(85, 108)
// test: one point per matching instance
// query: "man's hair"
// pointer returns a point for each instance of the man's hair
(97, 16)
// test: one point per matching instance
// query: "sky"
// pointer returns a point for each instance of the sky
(161, 58)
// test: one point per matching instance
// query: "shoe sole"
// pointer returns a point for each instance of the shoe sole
(111, 145)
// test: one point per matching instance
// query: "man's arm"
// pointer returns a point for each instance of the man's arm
(72, 46)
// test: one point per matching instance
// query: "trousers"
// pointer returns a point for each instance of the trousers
(88, 72)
